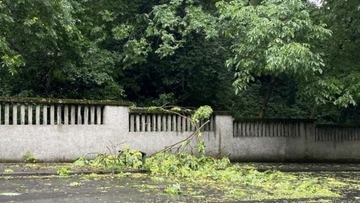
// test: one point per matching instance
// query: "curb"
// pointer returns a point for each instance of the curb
(105, 172)
(289, 170)
(54, 173)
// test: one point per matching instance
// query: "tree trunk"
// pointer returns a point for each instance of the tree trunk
(313, 111)
(49, 80)
(267, 97)
(50, 77)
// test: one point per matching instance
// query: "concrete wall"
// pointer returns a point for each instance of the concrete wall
(335, 142)
(153, 132)
(269, 140)
(62, 142)
(90, 129)
(309, 141)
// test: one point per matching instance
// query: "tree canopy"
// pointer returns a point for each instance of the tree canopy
(260, 58)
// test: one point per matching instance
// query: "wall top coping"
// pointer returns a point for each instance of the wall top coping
(158, 110)
(290, 120)
(338, 125)
(63, 101)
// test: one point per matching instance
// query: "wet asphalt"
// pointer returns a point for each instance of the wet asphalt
(73, 189)
(26, 183)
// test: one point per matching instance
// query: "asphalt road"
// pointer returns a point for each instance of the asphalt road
(104, 188)
(75, 189)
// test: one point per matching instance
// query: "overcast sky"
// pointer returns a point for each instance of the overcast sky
(316, 2)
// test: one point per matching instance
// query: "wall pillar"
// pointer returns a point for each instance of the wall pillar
(224, 133)
(116, 117)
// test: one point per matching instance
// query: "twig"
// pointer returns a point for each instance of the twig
(186, 139)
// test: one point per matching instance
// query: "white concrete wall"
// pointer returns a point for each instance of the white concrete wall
(271, 148)
(334, 150)
(68, 142)
(62, 142)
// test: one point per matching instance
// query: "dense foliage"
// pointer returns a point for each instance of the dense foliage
(272, 58)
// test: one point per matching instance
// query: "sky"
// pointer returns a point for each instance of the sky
(316, 2)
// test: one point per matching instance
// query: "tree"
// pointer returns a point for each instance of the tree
(281, 53)
(273, 38)
(339, 84)
(45, 45)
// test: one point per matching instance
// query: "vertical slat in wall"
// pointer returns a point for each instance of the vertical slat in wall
(245, 124)
(247, 129)
(98, 115)
(256, 127)
(1, 115)
(272, 129)
(183, 124)
(52, 114)
(266, 126)
(137, 122)
(168, 124)
(158, 123)
(253, 129)
(178, 126)
(66, 114)
(58, 115)
(353, 133)
(238, 126)
(148, 123)
(163, 122)
(72, 115)
(242, 129)
(174, 124)
(45, 115)
(30, 114)
(153, 127)
(37, 114)
(288, 130)
(188, 125)
(143, 124)
(212, 123)
(79, 117)
(86, 115)
(14, 114)
(22, 114)
(7, 114)
(261, 126)
(92, 115)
